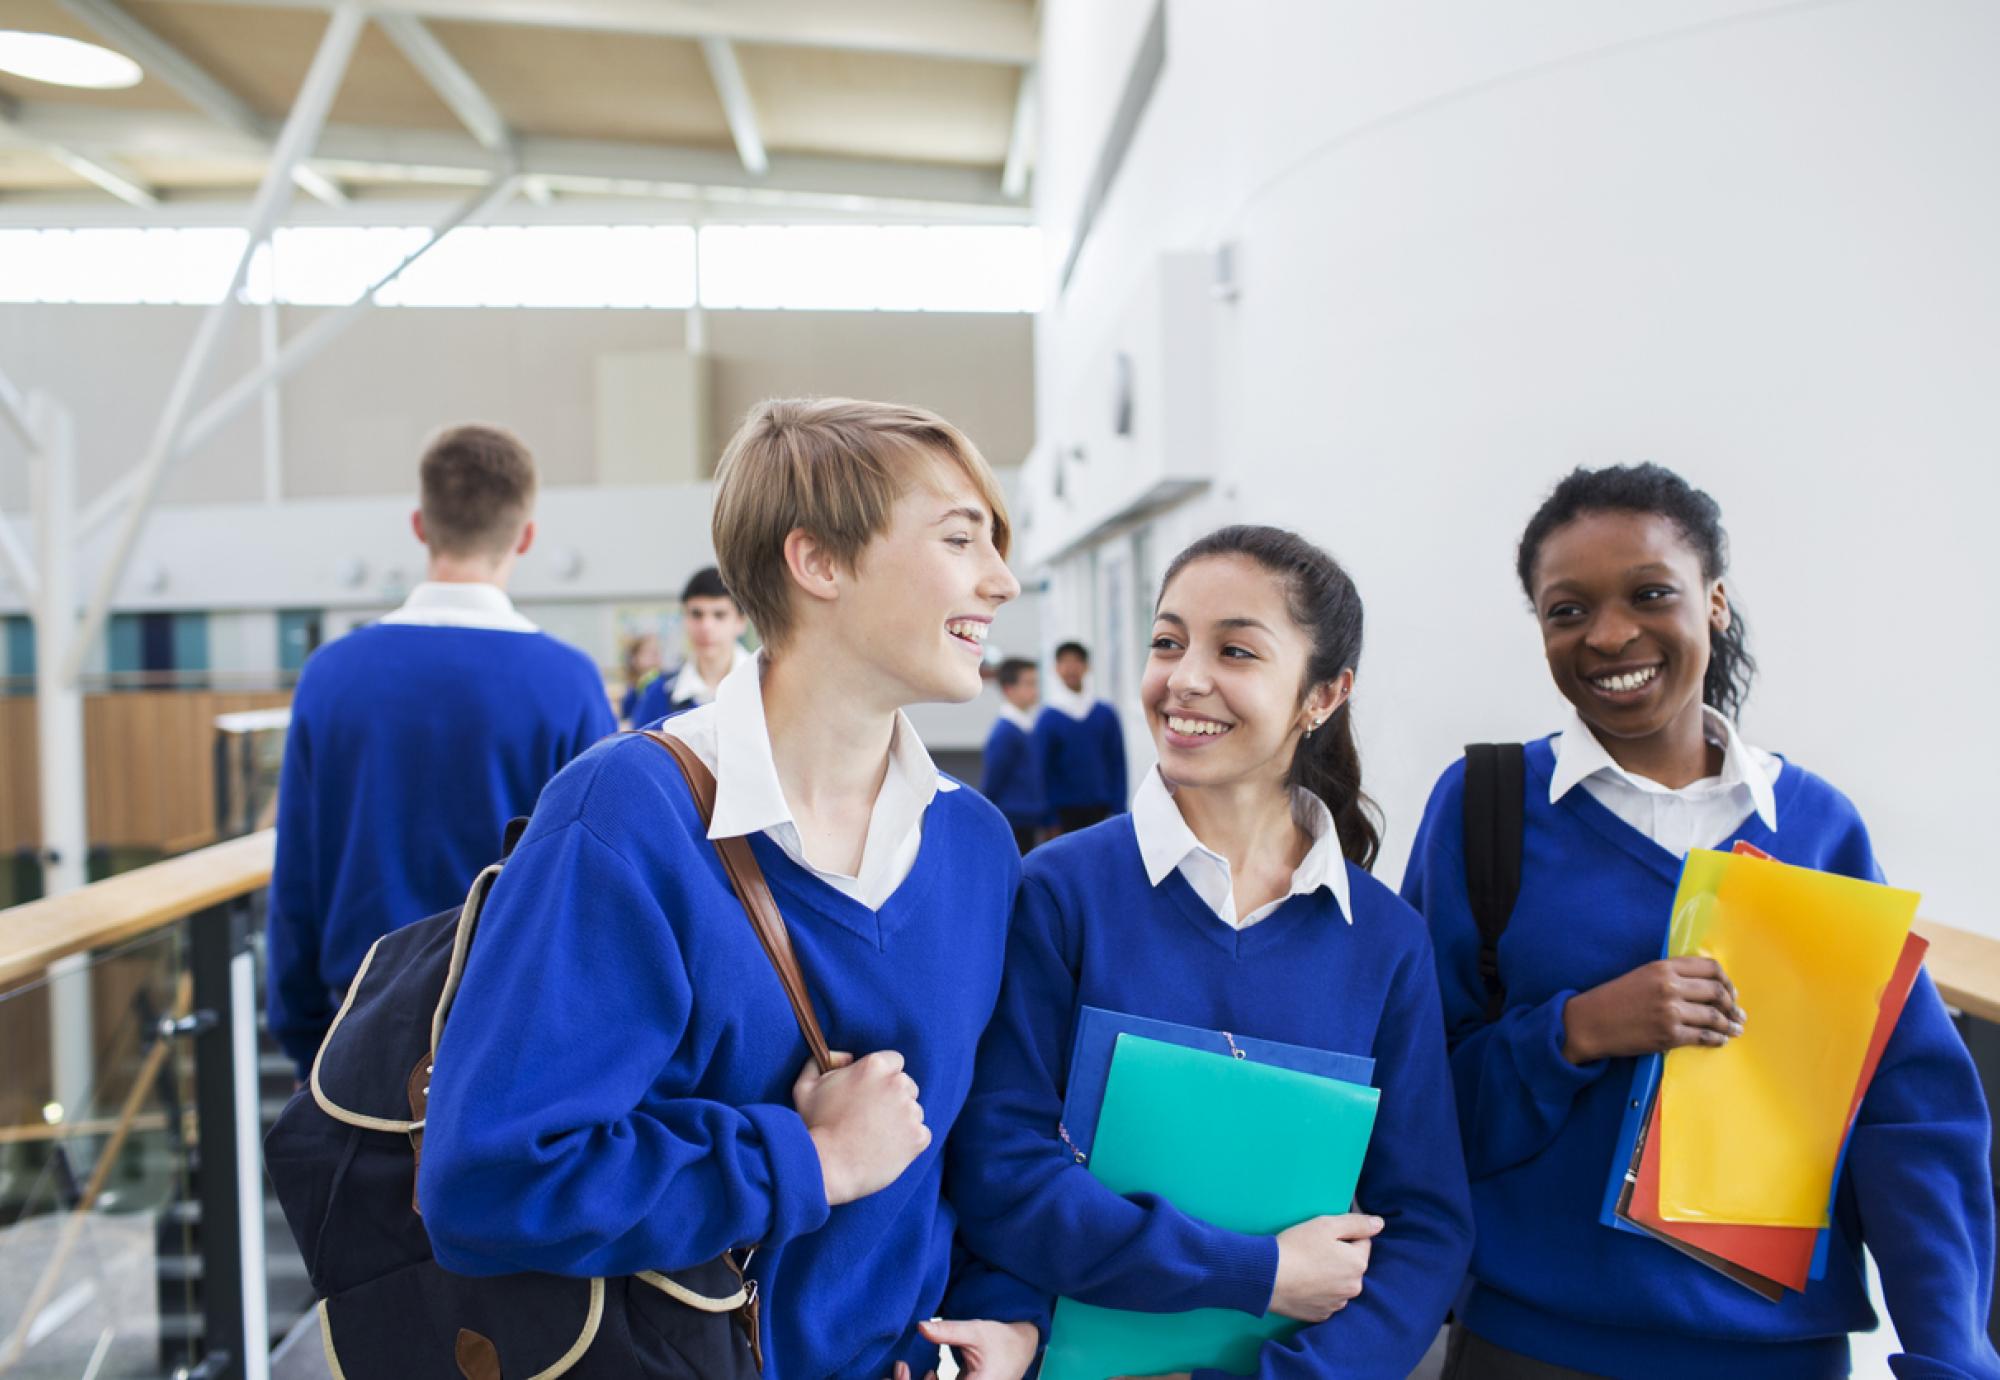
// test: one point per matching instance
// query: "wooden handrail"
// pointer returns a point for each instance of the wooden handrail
(34, 935)
(1965, 967)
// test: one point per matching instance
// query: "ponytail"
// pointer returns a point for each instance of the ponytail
(1328, 763)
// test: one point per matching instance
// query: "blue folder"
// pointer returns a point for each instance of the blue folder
(1097, 1032)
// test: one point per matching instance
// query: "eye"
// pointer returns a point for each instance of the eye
(1563, 612)
(1164, 643)
(1235, 653)
(961, 542)
(1652, 594)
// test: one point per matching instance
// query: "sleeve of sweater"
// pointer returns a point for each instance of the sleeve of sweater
(553, 1142)
(1026, 1205)
(595, 719)
(298, 1006)
(1414, 1179)
(1514, 1087)
(1000, 764)
(1114, 761)
(1920, 1168)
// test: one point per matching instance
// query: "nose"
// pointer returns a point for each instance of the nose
(1000, 586)
(1191, 677)
(1611, 631)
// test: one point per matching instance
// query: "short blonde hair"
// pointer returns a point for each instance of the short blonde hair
(835, 468)
(477, 487)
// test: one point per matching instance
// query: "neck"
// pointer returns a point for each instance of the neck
(830, 735)
(1249, 822)
(445, 569)
(714, 663)
(1676, 755)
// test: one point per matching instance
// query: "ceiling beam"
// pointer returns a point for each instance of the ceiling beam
(737, 106)
(452, 83)
(101, 171)
(370, 153)
(1021, 142)
(998, 31)
(192, 82)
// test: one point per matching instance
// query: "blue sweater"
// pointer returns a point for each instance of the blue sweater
(409, 750)
(1012, 778)
(1083, 760)
(1088, 930)
(613, 1091)
(1547, 1278)
(655, 702)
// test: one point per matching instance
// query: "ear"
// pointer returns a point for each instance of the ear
(1324, 699)
(1718, 607)
(813, 569)
(417, 525)
(527, 538)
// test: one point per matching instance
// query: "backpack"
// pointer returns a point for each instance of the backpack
(343, 1156)
(1495, 817)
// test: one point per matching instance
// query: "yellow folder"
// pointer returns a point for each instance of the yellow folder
(1752, 1130)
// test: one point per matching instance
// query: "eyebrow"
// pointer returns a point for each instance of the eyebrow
(970, 514)
(1163, 616)
(1630, 573)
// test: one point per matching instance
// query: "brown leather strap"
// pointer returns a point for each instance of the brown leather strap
(755, 893)
(477, 1357)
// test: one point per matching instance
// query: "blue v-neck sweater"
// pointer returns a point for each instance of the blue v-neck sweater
(1083, 760)
(613, 1091)
(1089, 930)
(1548, 1279)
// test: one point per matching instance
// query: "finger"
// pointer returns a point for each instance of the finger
(1696, 966)
(1704, 1017)
(807, 1080)
(838, 1059)
(1356, 1226)
(907, 1086)
(949, 1332)
(885, 1061)
(902, 1370)
(1685, 1035)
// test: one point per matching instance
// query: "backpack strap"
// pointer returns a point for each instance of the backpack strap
(1495, 815)
(755, 893)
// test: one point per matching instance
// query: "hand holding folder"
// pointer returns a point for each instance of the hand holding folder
(1246, 1146)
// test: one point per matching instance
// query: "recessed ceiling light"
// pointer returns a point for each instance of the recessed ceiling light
(65, 61)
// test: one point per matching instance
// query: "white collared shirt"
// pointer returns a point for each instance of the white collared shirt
(1167, 844)
(1075, 703)
(689, 687)
(1701, 814)
(1022, 719)
(731, 738)
(460, 604)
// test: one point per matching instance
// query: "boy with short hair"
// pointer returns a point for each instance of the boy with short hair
(621, 1086)
(1012, 778)
(1082, 746)
(714, 625)
(415, 740)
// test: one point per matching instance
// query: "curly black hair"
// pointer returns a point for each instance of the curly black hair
(1650, 488)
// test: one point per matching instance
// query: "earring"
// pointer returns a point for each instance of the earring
(1315, 727)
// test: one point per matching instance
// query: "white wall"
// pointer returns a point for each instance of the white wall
(1481, 245)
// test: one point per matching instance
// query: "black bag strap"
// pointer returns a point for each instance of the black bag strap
(755, 893)
(1495, 814)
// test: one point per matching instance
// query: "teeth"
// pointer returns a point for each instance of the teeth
(1206, 728)
(971, 632)
(1630, 681)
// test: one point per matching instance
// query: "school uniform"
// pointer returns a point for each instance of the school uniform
(679, 691)
(613, 1092)
(1601, 859)
(1135, 915)
(1012, 774)
(413, 741)
(1083, 756)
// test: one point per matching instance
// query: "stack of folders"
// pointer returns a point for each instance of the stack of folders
(1731, 1155)
(1251, 1135)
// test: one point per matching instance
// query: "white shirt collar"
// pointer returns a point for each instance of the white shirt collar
(1075, 703)
(1580, 755)
(1166, 844)
(1017, 716)
(460, 604)
(689, 686)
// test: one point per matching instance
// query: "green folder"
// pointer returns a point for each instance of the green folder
(1251, 1147)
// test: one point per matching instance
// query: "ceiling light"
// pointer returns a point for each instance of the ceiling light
(65, 61)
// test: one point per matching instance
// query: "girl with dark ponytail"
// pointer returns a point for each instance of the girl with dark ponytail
(1235, 897)
(1625, 571)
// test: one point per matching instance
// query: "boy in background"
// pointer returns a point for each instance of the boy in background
(1012, 778)
(714, 625)
(413, 741)
(1082, 746)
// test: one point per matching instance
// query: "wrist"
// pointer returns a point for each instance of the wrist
(832, 1175)
(1578, 1046)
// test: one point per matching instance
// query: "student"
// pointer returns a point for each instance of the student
(715, 625)
(1235, 896)
(1082, 746)
(1624, 569)
(622, 1086)
(1012, 778)
(641, 662)
(415, 740)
